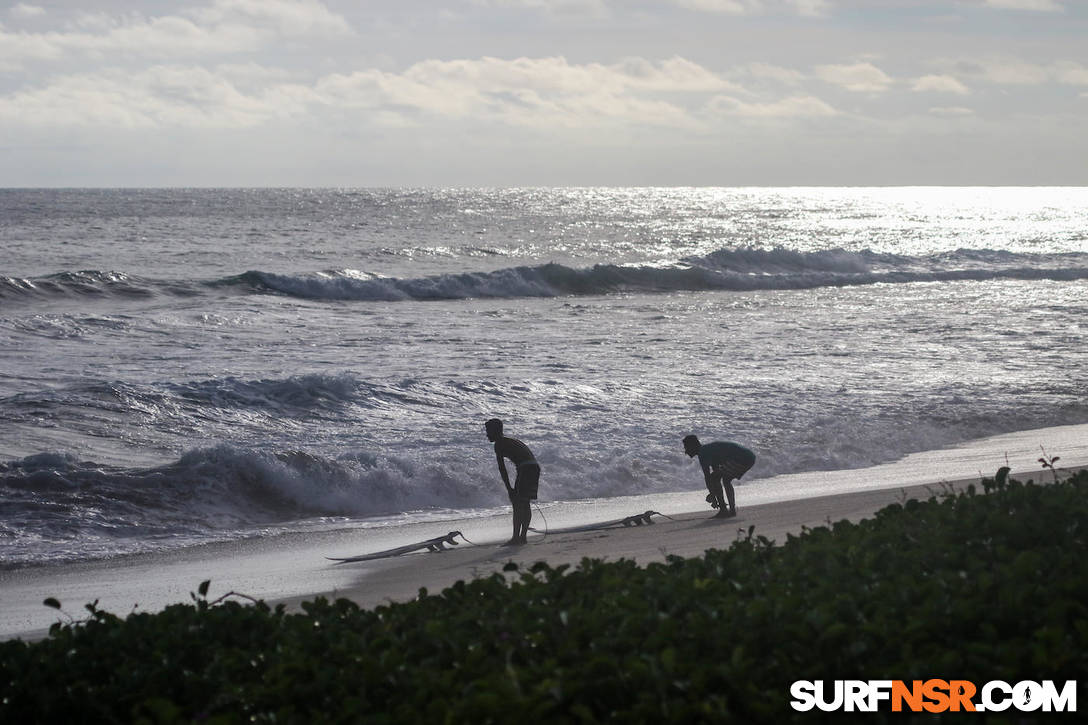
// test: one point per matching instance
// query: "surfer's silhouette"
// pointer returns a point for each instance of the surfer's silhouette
(525, 484)
(722, 462)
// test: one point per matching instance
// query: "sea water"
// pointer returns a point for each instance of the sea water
(191, 365)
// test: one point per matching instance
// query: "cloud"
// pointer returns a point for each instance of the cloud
(226, 27)
(584, 7)
(524, 92)
(729, 7)
(289, 17)
(812, 8)
(940, 84)
(776, 73)
(952, 111)
(1013, 71)
(792, 107)
(161, 96)
(530, 91)
(22, 10)
(858, 77)
(674, 74)
(809, 8)
(1048, 6)
(1070, 73)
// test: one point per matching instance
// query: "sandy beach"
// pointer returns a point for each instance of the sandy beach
(297, 563)
(293, 568)
(683, 534)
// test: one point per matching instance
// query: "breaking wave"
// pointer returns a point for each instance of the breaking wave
(90, 283)
(58, 498)
(741, 269)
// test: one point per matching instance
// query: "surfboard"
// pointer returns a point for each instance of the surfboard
(642, 519)
(438, 543)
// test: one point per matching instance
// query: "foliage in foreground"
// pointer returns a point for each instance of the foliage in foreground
(969, 586)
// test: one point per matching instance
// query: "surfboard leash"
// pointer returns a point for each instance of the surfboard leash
(545, 532)
(471, 543)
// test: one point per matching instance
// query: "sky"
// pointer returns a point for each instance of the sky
(543, 93)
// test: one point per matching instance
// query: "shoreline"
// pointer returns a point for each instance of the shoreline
(292, 568)
(690, 534)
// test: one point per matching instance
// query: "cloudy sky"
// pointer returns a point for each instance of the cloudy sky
(543, 92)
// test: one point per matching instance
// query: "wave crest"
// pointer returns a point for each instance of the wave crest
(740, 269)
(86, 283)
(72, 503)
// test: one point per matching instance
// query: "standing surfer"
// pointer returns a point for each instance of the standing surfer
(721, 461)
(525, 483)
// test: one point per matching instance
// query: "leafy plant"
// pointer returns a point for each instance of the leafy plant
(1048, 462)
(983, 587)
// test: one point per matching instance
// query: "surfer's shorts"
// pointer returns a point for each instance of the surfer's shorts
(733, 469)
(527, 481)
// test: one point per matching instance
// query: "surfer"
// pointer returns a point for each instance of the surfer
(525, 484)
(722, 462)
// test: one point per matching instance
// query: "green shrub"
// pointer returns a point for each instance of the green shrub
(968, 586)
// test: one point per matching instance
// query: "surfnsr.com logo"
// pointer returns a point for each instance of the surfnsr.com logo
(933, 696)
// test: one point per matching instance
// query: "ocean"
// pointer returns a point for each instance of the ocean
(183, 366)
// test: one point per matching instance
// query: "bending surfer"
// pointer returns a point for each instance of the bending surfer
(722, 462)
(525, 484)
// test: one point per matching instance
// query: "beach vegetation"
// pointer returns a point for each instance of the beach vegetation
(981, 585)
(1048, 462)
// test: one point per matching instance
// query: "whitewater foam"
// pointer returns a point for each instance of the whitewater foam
(56, 501)
(737, 269)
(741, 269)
